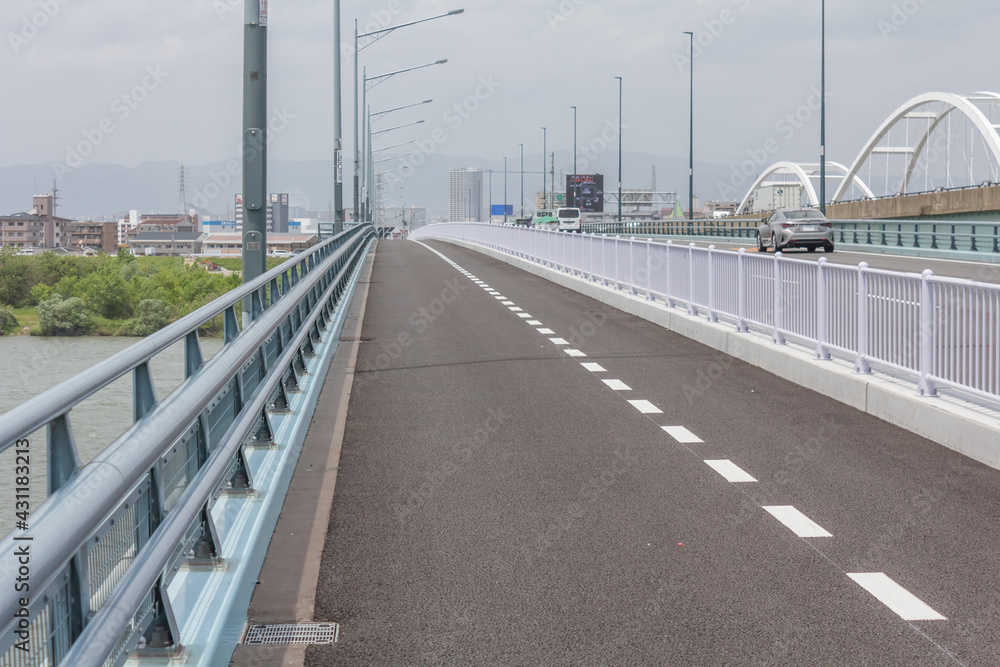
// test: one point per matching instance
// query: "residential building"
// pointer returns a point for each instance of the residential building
(39, 228)
(172, 244)
(101, 236)
(232, 244)
(465, 195)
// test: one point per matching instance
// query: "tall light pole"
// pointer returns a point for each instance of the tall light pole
(545, 194)
(358, 112)
(691, 139)
(619, 148)
(522, 179)
(505, 190)
(338, 140)
(822, 111)
(574, 159)
(254, 145)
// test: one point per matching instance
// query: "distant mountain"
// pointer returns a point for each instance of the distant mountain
(107, 191)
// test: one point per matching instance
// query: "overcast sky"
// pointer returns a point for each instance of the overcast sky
(128, 81)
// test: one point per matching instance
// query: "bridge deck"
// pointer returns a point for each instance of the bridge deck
(498, 503)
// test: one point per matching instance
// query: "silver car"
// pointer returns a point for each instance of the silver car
(795, 228)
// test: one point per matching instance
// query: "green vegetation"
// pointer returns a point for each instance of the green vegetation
(107, 295)
(8, 321)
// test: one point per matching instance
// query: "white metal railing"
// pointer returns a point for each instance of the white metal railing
(941, 332)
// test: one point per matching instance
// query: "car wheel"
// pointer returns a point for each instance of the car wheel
(828, 247)
(774, 243)
(811, 248)
(760, 244)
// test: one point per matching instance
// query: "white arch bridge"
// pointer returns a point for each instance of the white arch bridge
(922, 146)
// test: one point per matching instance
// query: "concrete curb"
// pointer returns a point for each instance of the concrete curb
(971, 431)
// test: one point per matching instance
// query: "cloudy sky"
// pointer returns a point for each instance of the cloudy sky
(129, 81)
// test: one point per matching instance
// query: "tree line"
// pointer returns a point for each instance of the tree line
(119, 294)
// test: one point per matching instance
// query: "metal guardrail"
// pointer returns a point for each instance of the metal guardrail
(940, 332)
(116, 531)
(983, 237)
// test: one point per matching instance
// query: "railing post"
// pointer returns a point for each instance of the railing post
(953, 246)
(631, 265)
(711, 286)
(822, 328)
(928, 335)
(692, 310)
(618, 273)
(861, 365)
(63, 458)
(143, 392)
(973, 247)
(669, 295)
(996, 238)
(741, 291)
(778, 337)
(604, 260)
(649, 270)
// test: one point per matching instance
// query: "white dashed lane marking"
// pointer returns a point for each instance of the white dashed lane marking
(574, 353)
(796, 521)
(731, 471)
(559, 341)
(907, 605)
(681, 434)
(592, 367)
(534, 323)
(507, 303)
(645, 407)
(546, 332)
(617, 385)
(516, 309)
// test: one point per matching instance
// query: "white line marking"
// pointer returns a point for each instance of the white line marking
(907, 605)
(731, 471)
(559, 341)
(796, 521)
(499, 297)
(574, 353)
(515, 309)
(646, 408)
(681, 434)
(506, 303)
(546, 332)
(617, 385)
(592, 367)
(534, 323)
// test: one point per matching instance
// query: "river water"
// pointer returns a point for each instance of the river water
(32, 364)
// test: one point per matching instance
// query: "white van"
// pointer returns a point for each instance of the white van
(569, 220)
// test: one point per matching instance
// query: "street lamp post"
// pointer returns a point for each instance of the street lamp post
(254, 145)
(338, 140)
(505, 190)
(619, 148)
(545, 195)
(691, 139)
(522, 179)
(358, 112)
(822, 111)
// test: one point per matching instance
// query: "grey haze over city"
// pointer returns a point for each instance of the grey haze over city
(108, 97)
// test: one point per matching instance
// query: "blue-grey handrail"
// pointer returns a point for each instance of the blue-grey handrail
(76, 511)
(92, 646)
(38, 411)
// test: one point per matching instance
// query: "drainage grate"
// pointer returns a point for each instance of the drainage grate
(293, 633)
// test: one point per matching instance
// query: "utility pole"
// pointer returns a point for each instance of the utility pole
(338, 155)
(254, 144)
(552, 166)
(522, 179)
(545, 193)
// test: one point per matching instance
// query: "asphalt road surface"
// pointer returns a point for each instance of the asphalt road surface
(529, 477)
